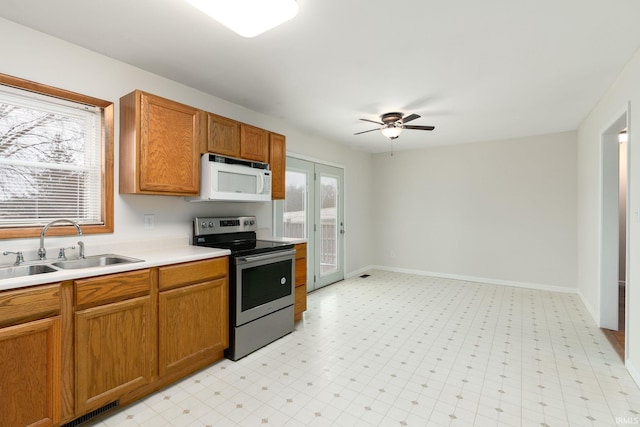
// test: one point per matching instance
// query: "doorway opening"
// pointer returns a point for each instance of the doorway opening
(614, 231)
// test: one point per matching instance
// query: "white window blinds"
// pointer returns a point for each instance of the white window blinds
(50, 160)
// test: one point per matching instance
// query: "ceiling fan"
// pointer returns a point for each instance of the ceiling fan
(393, 123)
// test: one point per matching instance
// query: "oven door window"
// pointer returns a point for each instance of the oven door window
(265, 283)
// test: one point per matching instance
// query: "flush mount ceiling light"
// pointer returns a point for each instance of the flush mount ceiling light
(248, 17)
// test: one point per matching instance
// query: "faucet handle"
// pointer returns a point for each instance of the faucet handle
(61, 254)
(81, 250)
(18, 254)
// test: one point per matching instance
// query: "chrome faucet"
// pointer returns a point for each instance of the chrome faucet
(42, 252)
(81, 250)
(19, 257)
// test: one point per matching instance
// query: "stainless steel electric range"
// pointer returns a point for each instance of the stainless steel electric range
(261, 281)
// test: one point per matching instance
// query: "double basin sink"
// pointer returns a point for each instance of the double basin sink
(70, 264)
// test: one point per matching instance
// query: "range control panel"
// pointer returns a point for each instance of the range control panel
(218, 225)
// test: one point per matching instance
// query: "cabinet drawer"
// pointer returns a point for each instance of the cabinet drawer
(173, 276)
(29, 304)
(111, 288)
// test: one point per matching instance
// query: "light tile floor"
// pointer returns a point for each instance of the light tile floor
(404, 350)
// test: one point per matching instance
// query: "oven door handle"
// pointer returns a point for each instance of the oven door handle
(279, 254)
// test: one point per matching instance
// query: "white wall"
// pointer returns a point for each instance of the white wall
(501, 212)
(35, 56)
(624, 92)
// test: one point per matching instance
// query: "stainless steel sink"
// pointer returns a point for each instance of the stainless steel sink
(95, 261)
(25, 270)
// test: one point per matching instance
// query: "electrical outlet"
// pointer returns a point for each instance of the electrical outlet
(149, 221)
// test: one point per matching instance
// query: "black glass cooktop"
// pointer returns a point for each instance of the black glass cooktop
(240, 246)
(250, 247)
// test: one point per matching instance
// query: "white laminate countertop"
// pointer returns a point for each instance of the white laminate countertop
(151, 254)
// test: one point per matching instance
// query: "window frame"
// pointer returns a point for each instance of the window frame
(107, 147)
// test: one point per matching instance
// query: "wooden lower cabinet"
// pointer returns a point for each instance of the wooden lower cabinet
(300, 305)
(193, 327)
(193, 315)
(30, 362)
(115, 341)
(114, 351)
(69, 348)
(31, 356)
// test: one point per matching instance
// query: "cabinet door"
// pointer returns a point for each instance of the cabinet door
(277, 160)
(169, 150)
(254, 143)
(114, 351)
(194, 325)
(30, 383)
(300, 304)
(223, 136)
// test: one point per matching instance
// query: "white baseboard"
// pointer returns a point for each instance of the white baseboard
(359, 271)
(527, 285)
(594, 313)
(635, 374)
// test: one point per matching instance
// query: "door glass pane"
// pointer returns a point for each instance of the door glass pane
(328, 225)
(295, 205)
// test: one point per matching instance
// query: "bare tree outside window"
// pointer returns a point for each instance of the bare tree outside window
(49, 162)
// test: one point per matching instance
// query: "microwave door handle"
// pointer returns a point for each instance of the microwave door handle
(260, 183)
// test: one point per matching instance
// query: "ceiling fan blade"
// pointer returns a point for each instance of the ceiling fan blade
(372, 121)
(410, 117)
(419, 127)
(365, 131)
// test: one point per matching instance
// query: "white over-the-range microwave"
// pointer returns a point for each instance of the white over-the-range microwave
(231, 179)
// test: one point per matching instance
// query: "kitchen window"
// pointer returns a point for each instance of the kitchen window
(56, 159)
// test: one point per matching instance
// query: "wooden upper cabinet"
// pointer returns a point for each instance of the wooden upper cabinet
(277, 160)
(159, 146)
(253, 143)
(223, 136)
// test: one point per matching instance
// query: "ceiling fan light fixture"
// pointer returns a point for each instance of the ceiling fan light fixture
(248, 18)
(392, 132)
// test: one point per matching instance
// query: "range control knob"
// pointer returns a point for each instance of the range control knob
(204, 224)
(246, 222)
(211, 224)
(252, 222)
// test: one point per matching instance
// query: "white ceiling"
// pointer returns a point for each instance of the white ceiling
(476, 70)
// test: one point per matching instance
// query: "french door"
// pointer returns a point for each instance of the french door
(313, 209)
